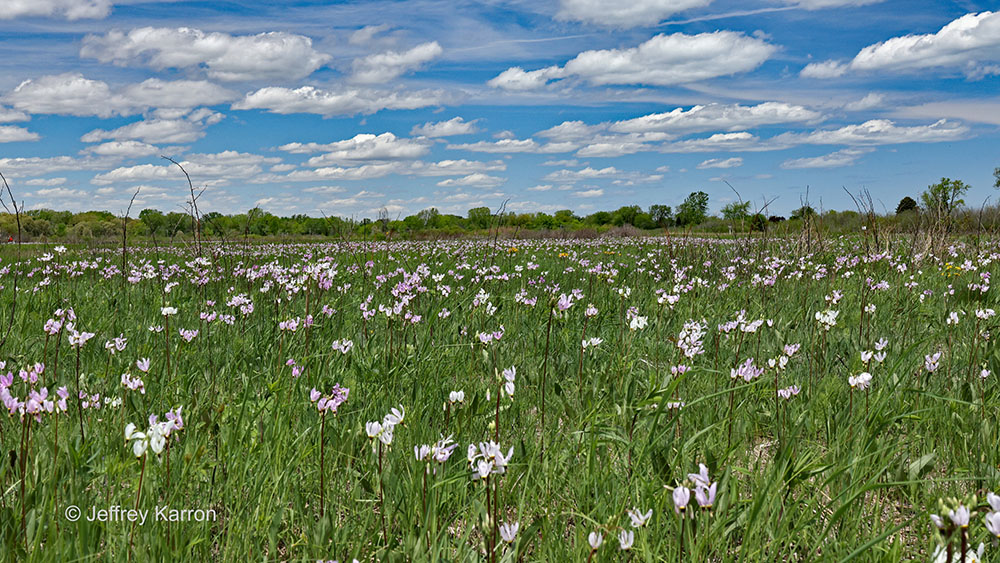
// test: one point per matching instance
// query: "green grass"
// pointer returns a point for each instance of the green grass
(830, 476)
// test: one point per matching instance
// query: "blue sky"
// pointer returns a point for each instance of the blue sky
(348, 108)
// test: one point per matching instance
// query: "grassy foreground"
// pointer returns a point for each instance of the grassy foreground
(835, 399)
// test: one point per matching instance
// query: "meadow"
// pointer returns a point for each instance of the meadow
(642, 399)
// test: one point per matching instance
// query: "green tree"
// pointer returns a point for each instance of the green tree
(693, 210)
(803, 212)
(661, 214)
(996, 177)
(479, 217)
(906, 204)
(736, 211)
(944, 197)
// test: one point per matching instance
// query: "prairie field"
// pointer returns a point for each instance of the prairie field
(640, 399)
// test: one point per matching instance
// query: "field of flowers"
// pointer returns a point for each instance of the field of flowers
(641, 399)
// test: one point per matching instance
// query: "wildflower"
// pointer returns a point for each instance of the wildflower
(993, 523)
(789, 392)
(456, 397)
(706, 495)
(931, 361)
(938, 521)
(637, 323)
(508, 531)
(638, 518)
(881, 344)
(395, 416)
(595, 539)
(700, 479)
(591, 311)
(681, 496)
(960, 516)
(168, 311)
(827, 319)
(142, 364)
(509, 374)
(625, 539)
(78, 339)
(861, 381)
(952, 318)
(747, 371)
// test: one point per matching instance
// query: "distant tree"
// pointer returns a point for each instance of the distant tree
(660, 214)
(758, 222)
(802, 212)
(565, 217)
(906, 204)
(429, 217)
(996, 177)
(626, 215)
(736, 211)
(693, 210)
(775, 219)
(479, 217)
(944, 197)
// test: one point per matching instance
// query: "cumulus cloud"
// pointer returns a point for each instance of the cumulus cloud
(204, 169)
(403, 168)
(663, 60)
(515, 146)
(159, 130)
(351, 101)
(380, 68)
(8, 115)
(476, 180)
(879, 132)
(362, 147)
(73, 94)
(69, 9)
(721, 163)
(125, 149)
(48, 182)
(843, 157)
(272, 55)
(970, 43)
(33, 166)
(14, 134)
(595, 192)
(740, 140)
(871, 100)
(615, 13)
(452, 127)
(365, 35)
(725, 117)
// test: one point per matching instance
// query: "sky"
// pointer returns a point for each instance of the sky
(351, 108)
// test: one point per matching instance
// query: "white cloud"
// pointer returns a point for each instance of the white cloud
(663, 60)
(40, 166)
(49, 182)
(14, 134)
(159, 131)
(878, 132)
(353, 101)
(380, 68)
(379, 170)
(596, 192)
(127, 149)
(515, 146)
(324, 190)
(718, 142)
(212, 169)
(454, 126)
(843, 157)
(73, 94)
(969, 43)
(587, 173)
(454, 167)
(69, 9)
(974, 110)
(872, 100)
(274, 55)
(9, 115)
(721, 163)
(615, 13)
(540, 188)
(366, 34)
(363, 172)
(476, 180)
(362, 147)
(725, 117)
(516, 79)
